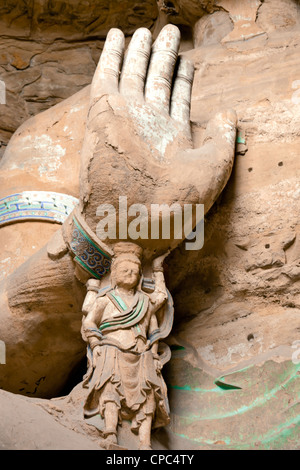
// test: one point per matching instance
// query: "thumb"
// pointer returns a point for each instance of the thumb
(221, 131)
(208, 168)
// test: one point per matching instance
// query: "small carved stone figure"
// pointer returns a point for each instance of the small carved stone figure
(122, 330)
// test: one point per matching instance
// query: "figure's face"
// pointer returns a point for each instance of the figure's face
(127, 274)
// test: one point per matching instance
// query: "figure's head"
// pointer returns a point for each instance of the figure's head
(126, 265)
(126, 274)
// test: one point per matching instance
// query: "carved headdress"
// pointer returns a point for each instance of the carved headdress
(127, 251)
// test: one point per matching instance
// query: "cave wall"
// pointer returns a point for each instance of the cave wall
(49, 50)
(237, 300)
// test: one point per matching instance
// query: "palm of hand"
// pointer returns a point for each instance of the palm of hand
(161, 133)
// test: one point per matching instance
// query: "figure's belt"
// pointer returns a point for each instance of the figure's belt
(47, 206)
(102, 341)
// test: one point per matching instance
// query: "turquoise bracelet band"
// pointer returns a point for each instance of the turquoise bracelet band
(49, 206)
(45, 206)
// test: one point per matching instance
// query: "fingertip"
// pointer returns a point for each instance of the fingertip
(141, 40)
(231, 116)
(116, 36)
(171, 28)
(114, 31)
(143, 32)
(169, 37)
(226, 117)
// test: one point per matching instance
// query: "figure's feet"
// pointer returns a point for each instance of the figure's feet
(111, 438)
(111, 441)
(145, 447)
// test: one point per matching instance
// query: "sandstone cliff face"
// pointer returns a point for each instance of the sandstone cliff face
(237, 300)
(251, 248)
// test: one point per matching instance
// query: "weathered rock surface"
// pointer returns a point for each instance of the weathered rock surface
(237, 302)
(205, 416)
(49, 51)
(248, 265)
(27, 425)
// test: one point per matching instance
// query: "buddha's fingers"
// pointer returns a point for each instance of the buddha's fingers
(181, 94)
(132, 82)
(162, 63)
(106, 77)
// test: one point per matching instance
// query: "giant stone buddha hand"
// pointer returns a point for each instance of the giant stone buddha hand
(130, 136)
(138, 141)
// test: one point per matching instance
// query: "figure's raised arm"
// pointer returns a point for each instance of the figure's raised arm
(159, 295)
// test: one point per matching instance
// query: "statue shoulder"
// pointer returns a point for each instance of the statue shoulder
(102, 293)
(144, 295)
(102, 298)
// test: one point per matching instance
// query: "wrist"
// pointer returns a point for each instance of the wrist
(158, 269)
(93, 285)
(93, 342)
